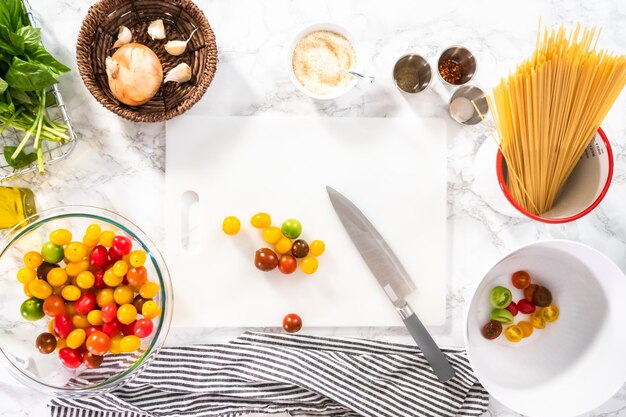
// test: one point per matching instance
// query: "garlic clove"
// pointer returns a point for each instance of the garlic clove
(124, 36)
(112, 67)
(175, 47)
(156, 30)
(181, 73)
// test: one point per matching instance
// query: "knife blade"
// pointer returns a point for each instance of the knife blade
(391, 275)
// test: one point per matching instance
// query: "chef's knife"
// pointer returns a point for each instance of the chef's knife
(391, 276)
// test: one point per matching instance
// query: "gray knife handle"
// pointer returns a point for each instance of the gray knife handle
(424, 340)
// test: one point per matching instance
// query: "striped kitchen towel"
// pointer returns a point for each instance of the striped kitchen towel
(299, 374)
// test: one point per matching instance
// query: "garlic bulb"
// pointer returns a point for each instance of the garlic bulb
(156, 30)
(181, 73)
(135, 74)
(178, 47)
(124, 36)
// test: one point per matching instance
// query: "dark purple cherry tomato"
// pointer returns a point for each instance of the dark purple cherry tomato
(143, 328)
(265, 259)
(300, 248)
(138, 302)
(122, 245)
(85, 303)
(44, 268)
(92, 361)
(492, 330)
(292, 323)
(71, 358)
(542, 297)
(46, 343)
(98, 258)
(62, 325)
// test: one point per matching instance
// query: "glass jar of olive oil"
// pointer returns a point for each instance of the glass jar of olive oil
(16, 204)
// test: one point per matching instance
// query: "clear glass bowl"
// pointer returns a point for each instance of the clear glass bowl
(17, 335)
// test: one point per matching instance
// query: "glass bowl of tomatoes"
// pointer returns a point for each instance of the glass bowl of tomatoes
(86, 301)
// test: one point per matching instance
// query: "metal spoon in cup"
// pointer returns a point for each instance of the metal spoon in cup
(367, 78)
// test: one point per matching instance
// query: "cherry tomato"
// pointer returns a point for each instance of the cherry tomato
(61, 237)
(137, 276)
(98, 343)
(261, 220)
(287, 264)
(309, 265)
(46, 343)
(57, 277)
(137, 258)
(85, 280)
(106, 238)
(265, 259)
(130, 343)
(150, 310)
(492, 330)
(90, 243)
(317, 248)
(71, 293)
(85, 303)
(115, 344)
(112, 328)
(93, 231)
(149, 290)
(111, 279)
(143, 328)
(32, 309)
(89, 330)
(120, 268)
(512, 308)
(500, 297)
(26, 275)
(542, 297)
(138, 302)
(525, 307)
(529, 292)
(526, 327)
(94, 317)
(39, 289)
(123, 295)
(70, 309)
(53, 306)
(502, 315)
(76, 338)
(76, 251)
(80, 321)
(292, 323)
(52, 253)
(109, 312)
(550, 313)
(300, 248)
(122, 245)
(104, 297)
(128, 329)
(63, 325)
(537, 320)
(114, 256)
(74, 268)
(514, 333)
(271, 235)
(291, 228)
(99, 257)
(44, 268)
(71, 358)
(231, 225)
(92, 361)
(33, 259)
(283, 246)
(99, 283)
(126, 313)
(520, 279)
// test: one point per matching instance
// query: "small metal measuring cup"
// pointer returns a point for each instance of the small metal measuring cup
(461, 56)
(412, 73)
(461, 108)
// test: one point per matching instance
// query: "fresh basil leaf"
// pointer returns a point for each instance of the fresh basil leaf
(11, 42)
(43, 57)
(28, 76)
(22, 160)
(3, 86)
(20, 96)
(31, 36)
(6, 108)
(13, 14)
(6, 104)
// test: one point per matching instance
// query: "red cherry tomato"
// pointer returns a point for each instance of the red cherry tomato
(85, 303)
(89, 330)
(122, 245)
(512, 308)
(92, 361)
(520, 279)
(137, 276)
(98, 343)
(128, 329)
(71, 358)
(265, 259)
(53, 306)
(99, 280)
(62, 325)
(287, 264)
(114, 255)
(292, 323)
(112, 328)
(525, 307)
(98, 258)
(143, 328)
(109, 312)
(529, 292)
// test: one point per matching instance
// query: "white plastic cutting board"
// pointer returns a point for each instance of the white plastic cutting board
(393, 169)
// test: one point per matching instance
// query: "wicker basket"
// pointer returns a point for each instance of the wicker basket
(98, 33)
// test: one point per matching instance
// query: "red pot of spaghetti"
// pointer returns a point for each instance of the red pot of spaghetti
(585, 187)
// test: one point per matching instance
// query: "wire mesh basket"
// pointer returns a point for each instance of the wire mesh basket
(52, 151)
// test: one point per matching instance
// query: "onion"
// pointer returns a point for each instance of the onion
(135, 74)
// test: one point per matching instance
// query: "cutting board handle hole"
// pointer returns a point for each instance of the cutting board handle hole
(190, 220)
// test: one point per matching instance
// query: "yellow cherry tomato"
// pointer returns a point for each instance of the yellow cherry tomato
(94, 317)
(283, 246)
(126, 313)
(149, 290)
(85, 280)
(115, 344)
(75, 268)
(80, 321)
(60, 344)
(150, 310)
(309, 265)
(106, 238)
(71, 293)
(104, 297)
(527, 328)
(93, 231)
(33, 259)
(272, 235)
(90, 243)
(57, 277)
(61, 237)
(231, 225)
(75, 339)
(137, 258)
(514, 333)
(317, 247)
(76, 251)
(26, 275)
(27, 291)
(111, 279)
(261, 220)
(51, 328)
(130, 344)
(550, 313)
(70, 309)
(537, 320)
(39, 289)
(120, 268)
(123, 295)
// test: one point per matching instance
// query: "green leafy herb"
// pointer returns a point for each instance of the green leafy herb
(22, 160)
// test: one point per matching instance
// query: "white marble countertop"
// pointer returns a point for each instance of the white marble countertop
(120, 165)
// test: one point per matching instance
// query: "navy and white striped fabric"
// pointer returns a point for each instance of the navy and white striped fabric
(299, 374)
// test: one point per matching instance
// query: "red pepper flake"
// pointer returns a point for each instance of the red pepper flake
(451, 71)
